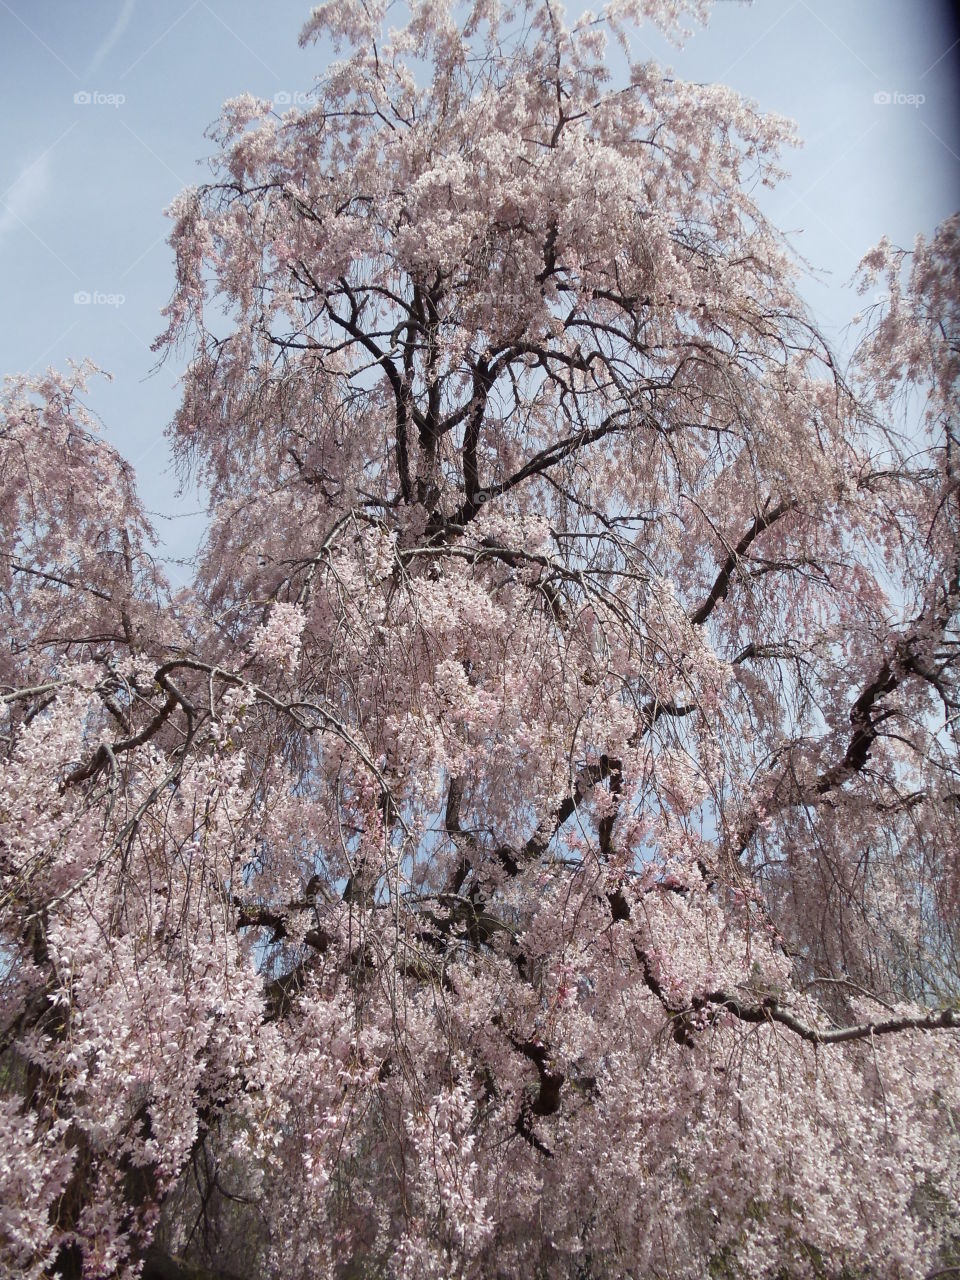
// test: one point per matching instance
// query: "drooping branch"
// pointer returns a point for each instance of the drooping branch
(401, 391)
(702, 1009)
(866, 717)
(254, 916)
(721, 584)
(769, 1009)
(105, 751)
(544, 460)
(865, 722)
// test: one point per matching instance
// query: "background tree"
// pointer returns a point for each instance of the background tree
(530, 850)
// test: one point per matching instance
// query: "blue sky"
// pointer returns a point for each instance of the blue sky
(83, 183)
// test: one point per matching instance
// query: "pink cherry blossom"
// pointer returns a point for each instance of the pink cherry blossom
(529, 848)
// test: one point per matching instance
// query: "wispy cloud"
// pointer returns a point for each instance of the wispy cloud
(113, 35)
(24, 195)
